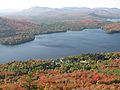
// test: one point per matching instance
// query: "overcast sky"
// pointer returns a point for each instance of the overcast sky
(24, 4)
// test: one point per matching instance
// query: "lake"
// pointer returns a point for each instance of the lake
(113, 20)
(50, 46)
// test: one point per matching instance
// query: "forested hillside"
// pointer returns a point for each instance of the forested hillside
(17, 31)
(40, 20)
(81, 72)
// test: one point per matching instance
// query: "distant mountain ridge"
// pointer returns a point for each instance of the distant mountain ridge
(45, 14)
(39, 10)
(39, 20)
(52, 15)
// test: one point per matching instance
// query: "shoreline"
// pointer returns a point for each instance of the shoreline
(34, 36)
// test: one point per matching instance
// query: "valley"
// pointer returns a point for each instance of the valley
(41, 20)
(68, 48)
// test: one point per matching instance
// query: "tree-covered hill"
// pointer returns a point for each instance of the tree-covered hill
(81, 72)
(20, 31)
(17, 31)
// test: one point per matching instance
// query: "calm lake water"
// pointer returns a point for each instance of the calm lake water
(57, 45)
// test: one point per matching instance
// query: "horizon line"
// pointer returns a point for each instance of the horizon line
(58, 7)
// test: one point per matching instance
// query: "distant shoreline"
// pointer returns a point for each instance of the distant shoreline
(7, 41)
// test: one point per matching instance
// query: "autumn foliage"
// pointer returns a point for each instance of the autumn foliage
(81, 72)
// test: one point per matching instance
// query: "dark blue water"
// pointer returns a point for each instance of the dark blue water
(62, 44)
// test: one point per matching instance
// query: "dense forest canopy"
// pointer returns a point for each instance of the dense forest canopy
(85, 71)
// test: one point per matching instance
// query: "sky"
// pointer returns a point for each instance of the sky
(24, 4)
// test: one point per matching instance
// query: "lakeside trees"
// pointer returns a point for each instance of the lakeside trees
(85, 71)
(16, 31)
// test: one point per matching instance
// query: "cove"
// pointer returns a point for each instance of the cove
(56, 45)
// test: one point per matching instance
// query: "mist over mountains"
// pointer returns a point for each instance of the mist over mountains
(66, 13)
(39, 20)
